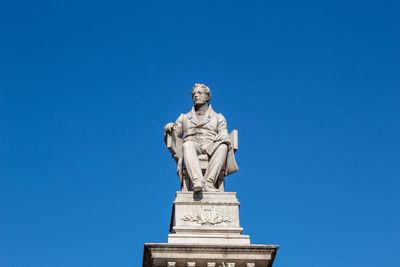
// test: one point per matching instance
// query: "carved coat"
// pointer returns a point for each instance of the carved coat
(204, 132)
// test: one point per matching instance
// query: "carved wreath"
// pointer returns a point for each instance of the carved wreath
(207, 217)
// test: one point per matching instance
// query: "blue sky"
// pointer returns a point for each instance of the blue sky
(86, 87)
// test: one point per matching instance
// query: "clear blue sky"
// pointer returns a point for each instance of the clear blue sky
(86, 86)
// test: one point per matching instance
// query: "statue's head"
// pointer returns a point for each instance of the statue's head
(201, 94)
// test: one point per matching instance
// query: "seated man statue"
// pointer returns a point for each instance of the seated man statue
(204, 132)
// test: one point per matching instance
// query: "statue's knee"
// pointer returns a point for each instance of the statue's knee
(223, 147)
(188, 145)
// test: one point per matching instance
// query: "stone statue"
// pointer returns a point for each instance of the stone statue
(205, 228)
(206, 153)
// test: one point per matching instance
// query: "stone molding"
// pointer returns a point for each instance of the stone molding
(158, 255)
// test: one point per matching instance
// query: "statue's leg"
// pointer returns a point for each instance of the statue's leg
(192, 164)
(215, 166)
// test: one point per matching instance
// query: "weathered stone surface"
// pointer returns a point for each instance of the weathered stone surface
(157, 255)
(206, 218)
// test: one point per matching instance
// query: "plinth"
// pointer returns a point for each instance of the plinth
(205, 232)
(206, 218)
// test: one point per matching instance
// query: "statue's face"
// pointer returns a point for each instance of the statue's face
(200, 96)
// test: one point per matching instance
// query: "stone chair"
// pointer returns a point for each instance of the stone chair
(174, 145)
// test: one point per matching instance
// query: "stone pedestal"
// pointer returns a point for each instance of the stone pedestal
(205, 232)
(206, 218)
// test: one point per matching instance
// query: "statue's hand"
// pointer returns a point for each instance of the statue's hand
(169, 127)
(220, 137)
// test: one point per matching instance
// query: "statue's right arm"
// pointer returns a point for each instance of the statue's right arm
(176, 127)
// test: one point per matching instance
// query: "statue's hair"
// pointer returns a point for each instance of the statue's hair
(207, 90)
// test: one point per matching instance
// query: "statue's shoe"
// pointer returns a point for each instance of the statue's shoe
(197, 187)
(210, 189)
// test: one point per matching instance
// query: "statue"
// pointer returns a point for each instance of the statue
(206, 153)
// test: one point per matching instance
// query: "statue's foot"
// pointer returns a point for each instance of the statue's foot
(197, 187)
(208, 188)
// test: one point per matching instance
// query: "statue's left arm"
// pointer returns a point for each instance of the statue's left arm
(222, 134)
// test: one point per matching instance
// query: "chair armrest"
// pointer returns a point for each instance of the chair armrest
(174, 144)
